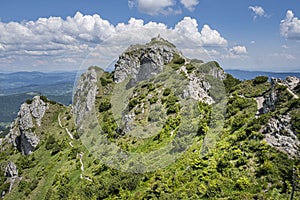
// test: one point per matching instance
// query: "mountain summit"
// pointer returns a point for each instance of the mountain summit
(144, 61)
(160, 126)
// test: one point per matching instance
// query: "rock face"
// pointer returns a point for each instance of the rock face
(292, 82)
(38, 108)
(279, 134)
(197, 89)
(218, 73)
(84, 98)
(11, 172)
(140, 62)
(144, 61)
(279, 131)
(22, 135)
(270, 99)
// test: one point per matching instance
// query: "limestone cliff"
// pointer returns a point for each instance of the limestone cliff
(84, 97)
(279, 131)
(141, 62)
(22, 135)
(271, 99)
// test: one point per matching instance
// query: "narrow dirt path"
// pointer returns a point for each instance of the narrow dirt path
(292, 93)
(79, 155)
(66, 129)
(71, 136)
(71, 144)
(59, 122)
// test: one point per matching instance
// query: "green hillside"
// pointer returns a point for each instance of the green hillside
(177, 147)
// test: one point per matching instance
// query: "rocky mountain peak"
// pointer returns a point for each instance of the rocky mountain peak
(144, 61)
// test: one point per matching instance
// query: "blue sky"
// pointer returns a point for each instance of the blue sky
(53, 35)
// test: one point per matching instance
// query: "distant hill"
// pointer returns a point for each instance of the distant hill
(15, 88)
(247, 75)
(14, 83)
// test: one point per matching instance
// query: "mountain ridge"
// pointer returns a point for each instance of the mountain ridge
(176, 101)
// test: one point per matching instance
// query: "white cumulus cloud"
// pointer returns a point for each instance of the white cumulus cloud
(206, 37)
(211, 37)
(258, 11)
(238, 50)
(290, 26)
(55, 40)
(189, 4)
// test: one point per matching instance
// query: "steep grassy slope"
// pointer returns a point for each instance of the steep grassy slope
(241, 166)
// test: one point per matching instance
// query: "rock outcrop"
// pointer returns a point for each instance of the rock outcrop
(279, 134)
(197, 88)
(84, 98)
(292, 82)
(271, 98)
(11, 172)
(141, 62)
(21, 134)
(38, 108)
(278, 131)
(217, 72)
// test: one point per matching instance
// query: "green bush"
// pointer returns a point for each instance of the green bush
(50, 142)
(176, 62)
(190, 68)
(195, 60)
(167, 92)
(242, 183)
(29, 101)
(132, 103)
(230, 82)
(260, 80)
(43, 98)
(172, 123)
(171, 100)
(103, 81)
(46, 100)
(153, 100)
(27, 186)
(173, 108)
(295, 121)
(150, 87)
(179, 61)
(104, 106)
(53, 145)
(56, 148)
(265, 168)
